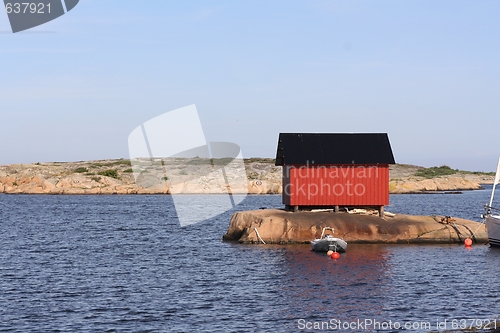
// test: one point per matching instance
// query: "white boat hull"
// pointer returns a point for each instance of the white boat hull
(329, 243)
(493, 228)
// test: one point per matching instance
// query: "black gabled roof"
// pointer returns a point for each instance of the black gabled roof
(334, 148)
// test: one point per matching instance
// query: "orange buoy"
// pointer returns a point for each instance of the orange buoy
(329, 253)
(468, 242)
(335, 255)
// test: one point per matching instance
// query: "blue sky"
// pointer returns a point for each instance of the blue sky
(426, 72)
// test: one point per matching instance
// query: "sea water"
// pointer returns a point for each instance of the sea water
(124, 264)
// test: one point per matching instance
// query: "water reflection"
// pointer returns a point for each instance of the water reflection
(439, 282)
(350, 288)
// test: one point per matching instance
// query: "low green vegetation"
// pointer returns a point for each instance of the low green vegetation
(222, 161)
(81, 170)
(112, 163)
(435, 171)
(199, 161)
(128, 170)
(445, 170)
(96, 179)
(121, 162)
(252, 176)
(209, 161)
(109, 173)
(260, 160)
(480, 173)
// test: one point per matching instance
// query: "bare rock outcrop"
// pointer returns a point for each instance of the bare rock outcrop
(262, 177)
(278, 226)
(434, 184)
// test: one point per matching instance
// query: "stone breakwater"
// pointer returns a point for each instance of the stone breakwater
(116, 177)
(280, 227)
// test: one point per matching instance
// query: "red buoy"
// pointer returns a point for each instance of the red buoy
(468, 242)
(335, 255)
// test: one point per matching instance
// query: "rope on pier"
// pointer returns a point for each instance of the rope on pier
(256, 232)
(459, 234)
(471, 232)
(479, 226)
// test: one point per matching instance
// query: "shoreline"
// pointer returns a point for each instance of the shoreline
(249, 194)
(115, 177)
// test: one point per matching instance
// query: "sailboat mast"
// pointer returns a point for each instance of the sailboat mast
(497, 179)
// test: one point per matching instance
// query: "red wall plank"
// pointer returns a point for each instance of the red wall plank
(343, 185)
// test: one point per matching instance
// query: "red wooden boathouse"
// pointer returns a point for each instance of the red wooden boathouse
(333, 170)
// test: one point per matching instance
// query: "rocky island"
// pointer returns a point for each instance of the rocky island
(263, 177)
(274, 226)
